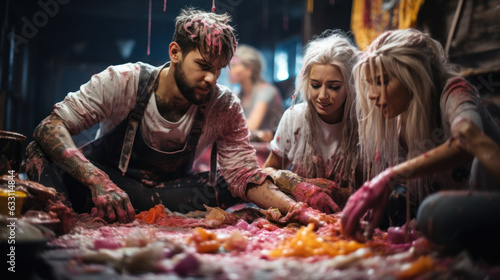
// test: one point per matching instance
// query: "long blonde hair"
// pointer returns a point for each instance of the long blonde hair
(331, 48)
(419, 63)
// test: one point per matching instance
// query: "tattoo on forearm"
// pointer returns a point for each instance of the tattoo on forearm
(55, 139)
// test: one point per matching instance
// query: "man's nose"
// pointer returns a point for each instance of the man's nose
(210, 77)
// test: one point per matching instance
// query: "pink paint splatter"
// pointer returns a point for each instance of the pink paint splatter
(164, 5)
(213, 6)
(377, 156)
(36, 163)
(293, 102)
(110, 73)
(71, 152)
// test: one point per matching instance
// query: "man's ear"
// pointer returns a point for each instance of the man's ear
(174, 52)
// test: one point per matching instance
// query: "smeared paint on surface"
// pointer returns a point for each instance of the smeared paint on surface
(64, 213)
(380, 259)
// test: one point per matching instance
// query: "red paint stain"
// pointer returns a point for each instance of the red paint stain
(71, 152)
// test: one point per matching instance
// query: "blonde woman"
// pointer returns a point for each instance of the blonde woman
(408, 98)
(317, 138)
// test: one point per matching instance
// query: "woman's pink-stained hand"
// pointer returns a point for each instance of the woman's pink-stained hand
(328, 186)
(315, 197)
(371, 197)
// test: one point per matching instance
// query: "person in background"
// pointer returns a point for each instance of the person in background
(409, 100)
(317, 138)
(261, 101)
(154, 121)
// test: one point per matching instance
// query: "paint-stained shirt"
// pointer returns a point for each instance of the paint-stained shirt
(292, 135)
(110, 95)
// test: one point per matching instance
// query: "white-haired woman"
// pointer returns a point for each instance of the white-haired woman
(317, 138)
(409, 96)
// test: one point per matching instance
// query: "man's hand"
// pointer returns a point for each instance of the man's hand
(315, 197)
(372, 196)
(112, 203)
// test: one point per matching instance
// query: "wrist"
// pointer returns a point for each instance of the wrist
(388, 177)
(287, 181)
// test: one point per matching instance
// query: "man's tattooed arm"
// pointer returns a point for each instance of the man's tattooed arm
(112, 203)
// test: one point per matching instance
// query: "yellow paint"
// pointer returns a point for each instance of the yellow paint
(16, 199)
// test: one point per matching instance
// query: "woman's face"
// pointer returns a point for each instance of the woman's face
(395, 98)
(328, 92)
(239, 72)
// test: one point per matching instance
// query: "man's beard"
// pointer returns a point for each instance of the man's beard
(187, 90)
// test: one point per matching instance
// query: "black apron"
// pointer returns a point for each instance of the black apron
(144, 162)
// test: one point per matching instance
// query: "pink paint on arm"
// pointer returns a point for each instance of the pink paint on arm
(71, 152)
